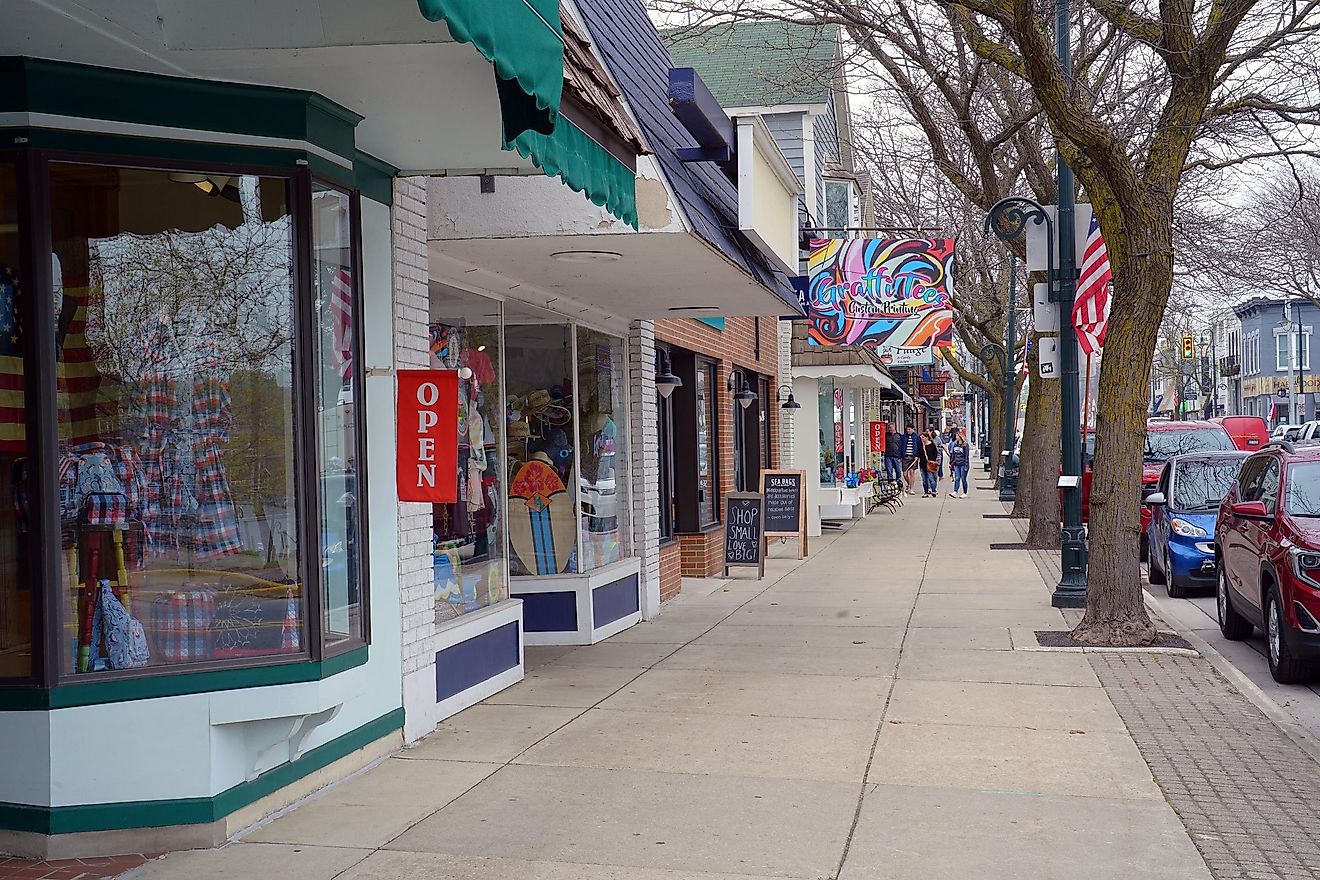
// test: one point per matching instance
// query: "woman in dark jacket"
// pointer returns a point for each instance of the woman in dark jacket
(959, 462)
(930, 463)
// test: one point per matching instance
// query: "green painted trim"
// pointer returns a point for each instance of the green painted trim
(375, 178)
(64, 89)
(116, 146)
(717, 323)
(150, 687)
(193, 811)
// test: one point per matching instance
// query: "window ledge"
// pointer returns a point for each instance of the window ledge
(174, 684)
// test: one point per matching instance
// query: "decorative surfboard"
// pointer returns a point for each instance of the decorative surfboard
(542, 521)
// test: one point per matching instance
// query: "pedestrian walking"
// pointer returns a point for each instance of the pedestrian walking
(894, 456)
(930, 465)
(911, 456)
(959, 463)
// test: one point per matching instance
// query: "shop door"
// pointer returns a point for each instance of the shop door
(748, 460)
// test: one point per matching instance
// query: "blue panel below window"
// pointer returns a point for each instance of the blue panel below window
(549, 612)
(469, 663)
(614, 601)
(717, 323)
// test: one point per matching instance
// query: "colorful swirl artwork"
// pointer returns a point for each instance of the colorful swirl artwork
(890, 294)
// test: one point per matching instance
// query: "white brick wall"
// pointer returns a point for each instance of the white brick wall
(645, 462)
(411, 315)
(785, 339)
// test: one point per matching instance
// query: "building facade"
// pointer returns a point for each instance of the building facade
(1268, 340)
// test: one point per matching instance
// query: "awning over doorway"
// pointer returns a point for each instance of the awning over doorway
(524, 40)
(587, 167)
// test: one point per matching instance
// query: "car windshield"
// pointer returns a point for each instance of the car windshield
(1201, 485)
(1164, 445)
(1303, 493)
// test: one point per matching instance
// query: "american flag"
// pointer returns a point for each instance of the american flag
(1091, 307)
(341, 319)
(13, 409)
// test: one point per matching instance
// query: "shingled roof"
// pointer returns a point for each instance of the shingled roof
(760, 63)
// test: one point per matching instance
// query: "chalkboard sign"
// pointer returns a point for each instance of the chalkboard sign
(785, 508)
(744, 517)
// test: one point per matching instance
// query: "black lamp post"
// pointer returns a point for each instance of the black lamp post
(742, 392)
(790, 403)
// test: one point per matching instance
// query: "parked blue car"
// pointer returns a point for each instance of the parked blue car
(1184, 507)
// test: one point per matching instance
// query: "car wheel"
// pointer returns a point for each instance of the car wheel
(1285, 668)
(1171, 585)
(1157, 577)
(1232, 625)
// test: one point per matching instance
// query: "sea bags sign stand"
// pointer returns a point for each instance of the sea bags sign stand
(785, 514)
(744, 517)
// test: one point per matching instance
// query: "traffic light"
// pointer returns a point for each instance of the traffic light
(1188, 348)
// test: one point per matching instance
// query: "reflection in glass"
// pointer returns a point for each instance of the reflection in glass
(542, 484)
(1201, 485)
(468, 543)
(335, 304)
(16, 593)
(174, 316)
(601, 389)
(707, 466)
(1303, 490)
(1164, 445)
(825, 411)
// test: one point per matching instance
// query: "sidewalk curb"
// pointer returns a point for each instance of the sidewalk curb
(1303, 738)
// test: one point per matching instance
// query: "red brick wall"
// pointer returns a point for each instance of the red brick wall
(734, 346)
(671, 570)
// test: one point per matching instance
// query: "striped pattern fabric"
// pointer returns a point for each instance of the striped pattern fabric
(341, 321)
(1091, 307)
(181, 626)
(77, 375)
(13, 412)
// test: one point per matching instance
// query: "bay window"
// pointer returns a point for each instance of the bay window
(195, 420)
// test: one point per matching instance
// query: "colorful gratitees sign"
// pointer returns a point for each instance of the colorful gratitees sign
(893, 295)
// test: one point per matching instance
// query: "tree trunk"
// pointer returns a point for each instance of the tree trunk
(1115, 612)
(1038, 479)
(996, 428)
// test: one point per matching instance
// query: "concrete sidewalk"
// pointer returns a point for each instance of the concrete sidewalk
(870, 713)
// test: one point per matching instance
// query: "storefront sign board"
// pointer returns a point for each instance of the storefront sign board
(427, 428)
(785, 508)
(744, 521)
(891, 295)
(877, 436)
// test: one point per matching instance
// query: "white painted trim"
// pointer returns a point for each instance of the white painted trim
(582, 586)
(602, 633)
(165, 132)
(474, 623)
(763, 139)
(809, 183)
(779, 109)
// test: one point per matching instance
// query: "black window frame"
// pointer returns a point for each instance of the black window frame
(37, 313)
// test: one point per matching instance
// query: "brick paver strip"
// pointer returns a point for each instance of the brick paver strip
(1248, 795)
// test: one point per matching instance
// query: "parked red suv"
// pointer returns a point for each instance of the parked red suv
(1267, 547)
(1165, 439)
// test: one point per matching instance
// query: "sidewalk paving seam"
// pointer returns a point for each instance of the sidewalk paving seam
(889, 696)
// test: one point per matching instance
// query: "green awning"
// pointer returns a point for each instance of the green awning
(524, 40)
(587, 167)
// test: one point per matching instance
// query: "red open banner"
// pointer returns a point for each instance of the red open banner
(877, 436)
(427, 424)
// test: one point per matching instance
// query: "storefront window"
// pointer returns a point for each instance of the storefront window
(468, 543)
(174, 302)
(825, 410)
(603, 450)
(539, 370)
(16, 593)
(707, 458)
(335, 301)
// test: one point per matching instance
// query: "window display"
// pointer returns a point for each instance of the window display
(16, 593)
(543, 514)
(468, 551)
(707, 464)
(825, 411)
(602, 421)
(335, 301)
(174, 304)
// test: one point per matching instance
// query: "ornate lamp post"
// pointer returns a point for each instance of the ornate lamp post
(1008, 219)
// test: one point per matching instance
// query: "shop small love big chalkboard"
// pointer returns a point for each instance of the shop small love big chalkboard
(744, 533)
(785, 505)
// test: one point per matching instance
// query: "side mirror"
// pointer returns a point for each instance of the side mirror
(1249, 508)
(1156, 499)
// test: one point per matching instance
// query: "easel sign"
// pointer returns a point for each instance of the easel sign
(744, 515)
(785, 512)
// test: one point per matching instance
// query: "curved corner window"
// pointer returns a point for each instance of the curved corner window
(175, 325)
(17, 593)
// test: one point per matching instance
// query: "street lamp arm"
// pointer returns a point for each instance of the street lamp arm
(1008, 218)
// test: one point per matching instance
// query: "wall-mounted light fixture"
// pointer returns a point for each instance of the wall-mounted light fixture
(790, 403)
(742, 392)
(665, 380)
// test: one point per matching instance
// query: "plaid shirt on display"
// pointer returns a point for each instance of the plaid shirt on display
(181, 626)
